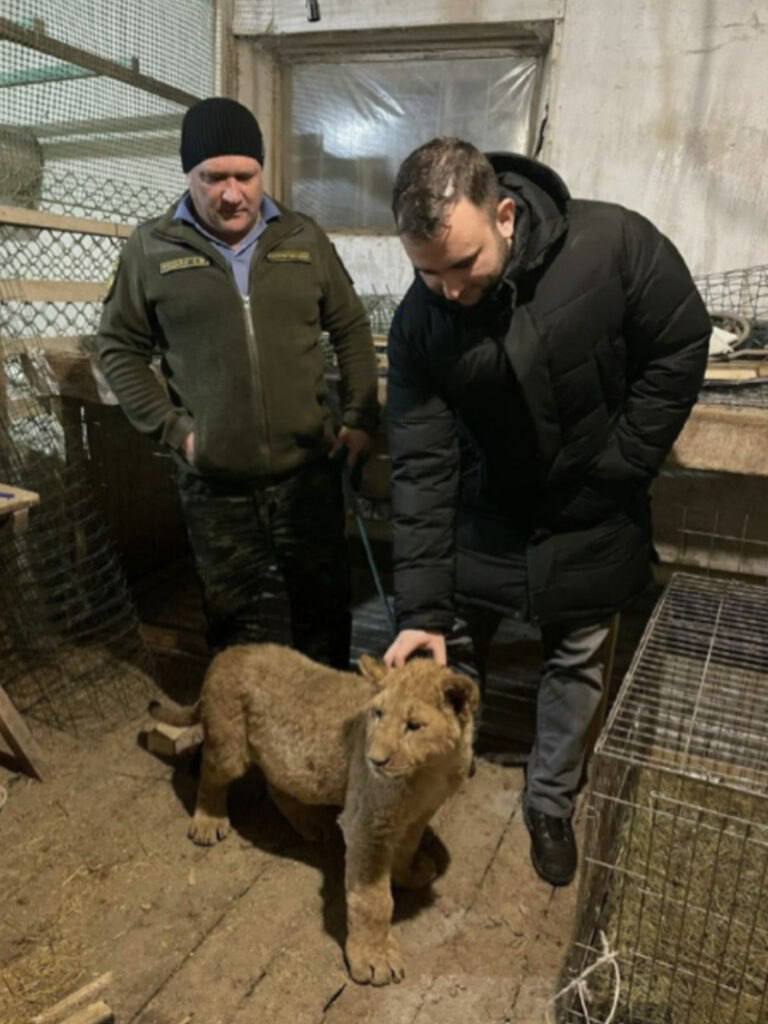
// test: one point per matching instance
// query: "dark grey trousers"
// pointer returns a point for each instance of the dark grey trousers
(569, 696)
(570, 692)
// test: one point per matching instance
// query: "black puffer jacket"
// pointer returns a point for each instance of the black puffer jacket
(593, 347)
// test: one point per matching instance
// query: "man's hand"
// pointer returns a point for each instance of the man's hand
(409, 641)
(357, 442)
(188, 448)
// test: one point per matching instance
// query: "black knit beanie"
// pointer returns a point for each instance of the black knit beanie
(219, 127)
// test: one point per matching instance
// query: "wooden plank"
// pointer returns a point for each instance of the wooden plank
(173, 740)
(73, 376)
(723, 439)
(68, 360)
(96, 1013)
(56, 1012)
(18, 737)
(57, 343)
(731, 371)
(15, 289)
(60, 222)
(36, 39)
(14, 499)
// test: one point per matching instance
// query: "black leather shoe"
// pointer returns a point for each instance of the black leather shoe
(553, 846)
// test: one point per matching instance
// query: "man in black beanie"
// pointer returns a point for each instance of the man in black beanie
(232, 290)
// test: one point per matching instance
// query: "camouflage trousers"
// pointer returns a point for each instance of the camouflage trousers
(240, 530)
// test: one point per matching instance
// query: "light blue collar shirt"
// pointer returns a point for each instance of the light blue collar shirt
(238, 257)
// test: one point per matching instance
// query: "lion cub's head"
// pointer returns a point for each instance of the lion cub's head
(422, 714)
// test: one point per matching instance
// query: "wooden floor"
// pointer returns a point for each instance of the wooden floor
(98, 876)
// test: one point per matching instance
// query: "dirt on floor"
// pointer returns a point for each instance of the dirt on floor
(98, 875)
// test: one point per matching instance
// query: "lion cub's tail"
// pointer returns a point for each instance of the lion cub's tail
(174, 714)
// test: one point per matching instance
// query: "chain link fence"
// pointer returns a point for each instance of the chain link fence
(91, 101)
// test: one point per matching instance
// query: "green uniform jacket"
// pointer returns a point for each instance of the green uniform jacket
(246, 374)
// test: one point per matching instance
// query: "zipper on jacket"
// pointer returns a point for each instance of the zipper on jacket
(253, 344)
(264, 441)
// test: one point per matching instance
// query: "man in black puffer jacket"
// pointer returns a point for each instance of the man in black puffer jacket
(541, 366)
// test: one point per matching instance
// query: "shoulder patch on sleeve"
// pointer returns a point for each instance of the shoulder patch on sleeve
(183, 263)
(289, 256)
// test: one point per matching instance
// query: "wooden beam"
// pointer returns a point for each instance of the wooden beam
(57, 344)
(69, 360)
(112, 148)
(104, 126)
(59, 222)
(97, 1013)
(16, 289)
(35, 39)
(172, 740)
(723, 439)
(18, 737)
(14, 499)
(55, 1013)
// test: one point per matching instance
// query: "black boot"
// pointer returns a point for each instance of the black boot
(553, 846)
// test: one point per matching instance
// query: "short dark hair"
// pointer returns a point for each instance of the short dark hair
(433, 179)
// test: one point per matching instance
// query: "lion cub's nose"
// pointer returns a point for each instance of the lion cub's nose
(378, 762)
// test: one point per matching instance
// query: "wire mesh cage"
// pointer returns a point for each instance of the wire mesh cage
(71, 655)
(675, 864)
(91, 100)
(742, 292)
(738, 299)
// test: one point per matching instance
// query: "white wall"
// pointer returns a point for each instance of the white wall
(663, 107)
(657, 104)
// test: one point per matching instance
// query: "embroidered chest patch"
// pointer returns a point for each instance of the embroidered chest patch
(289, 256)
(183, 263)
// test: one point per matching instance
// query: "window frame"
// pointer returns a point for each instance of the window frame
(268, 68)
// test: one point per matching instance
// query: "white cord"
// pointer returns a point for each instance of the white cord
(610, 956)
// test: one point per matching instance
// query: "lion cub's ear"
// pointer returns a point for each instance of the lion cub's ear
(372, 668)
(461, 693)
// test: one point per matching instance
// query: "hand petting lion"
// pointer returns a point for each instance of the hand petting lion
(388, 747)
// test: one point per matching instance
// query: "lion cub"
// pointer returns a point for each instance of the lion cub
(388, 747)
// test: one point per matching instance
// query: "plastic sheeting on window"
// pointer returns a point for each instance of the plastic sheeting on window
(351, 125)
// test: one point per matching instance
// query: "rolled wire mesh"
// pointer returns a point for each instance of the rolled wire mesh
(675, 863)
(70, 650)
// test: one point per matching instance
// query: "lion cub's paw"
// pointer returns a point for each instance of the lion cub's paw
(207, 831)
(374, 964)
(420, 873)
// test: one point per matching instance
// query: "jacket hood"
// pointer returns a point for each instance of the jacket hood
(542, 199)
(516, 171)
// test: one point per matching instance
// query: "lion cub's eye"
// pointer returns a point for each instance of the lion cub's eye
(377, 713)
(412, 726)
